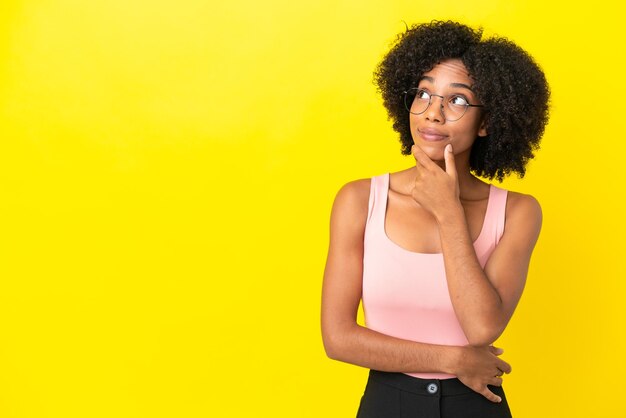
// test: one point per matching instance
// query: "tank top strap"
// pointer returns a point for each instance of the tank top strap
(378, 196)
(495, 215)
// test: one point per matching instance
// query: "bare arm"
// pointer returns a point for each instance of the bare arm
(483, 300)
(347, 341)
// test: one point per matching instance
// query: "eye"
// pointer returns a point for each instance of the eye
(458, 101)
(422, 94)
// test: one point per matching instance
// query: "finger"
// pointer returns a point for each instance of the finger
(504, 366)
(496, 381)
(418, 172)
(490, 395)
(421, 157)
(495, 350)
(448, 156)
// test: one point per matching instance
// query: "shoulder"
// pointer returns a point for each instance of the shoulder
(352, 199)
(521, 204)
(349, 214)
(356, 189)
(523, 211)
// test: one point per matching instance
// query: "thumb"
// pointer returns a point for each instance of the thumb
(448, 156)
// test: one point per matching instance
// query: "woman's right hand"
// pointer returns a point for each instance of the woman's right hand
(477, 367)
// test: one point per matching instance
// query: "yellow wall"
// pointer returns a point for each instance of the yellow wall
(166, 175)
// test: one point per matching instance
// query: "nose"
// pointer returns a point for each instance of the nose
(434, 112)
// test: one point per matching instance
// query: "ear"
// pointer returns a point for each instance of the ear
(482, 129)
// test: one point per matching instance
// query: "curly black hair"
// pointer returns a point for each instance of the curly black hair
(507, 81)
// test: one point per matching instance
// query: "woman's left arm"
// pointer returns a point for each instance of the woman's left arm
(483, 299)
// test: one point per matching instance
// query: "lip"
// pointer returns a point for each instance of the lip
(431, 135)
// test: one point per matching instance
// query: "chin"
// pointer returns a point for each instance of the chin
(434, 150)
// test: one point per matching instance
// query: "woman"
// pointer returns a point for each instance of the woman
(438, 256)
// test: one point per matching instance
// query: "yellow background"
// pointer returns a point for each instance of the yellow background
(166, 175)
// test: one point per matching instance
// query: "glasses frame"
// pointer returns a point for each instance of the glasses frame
(430, 101)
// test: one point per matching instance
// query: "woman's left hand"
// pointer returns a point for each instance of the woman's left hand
(435, 189)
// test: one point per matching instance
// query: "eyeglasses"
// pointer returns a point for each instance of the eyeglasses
(453, 107)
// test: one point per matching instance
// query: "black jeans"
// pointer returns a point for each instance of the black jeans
(397, 395)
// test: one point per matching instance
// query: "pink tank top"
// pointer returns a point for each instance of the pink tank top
(405, 294)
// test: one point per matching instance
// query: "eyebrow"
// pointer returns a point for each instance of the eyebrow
(460, 85)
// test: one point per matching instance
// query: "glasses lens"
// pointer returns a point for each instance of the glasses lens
(453, 111)
(416, 101)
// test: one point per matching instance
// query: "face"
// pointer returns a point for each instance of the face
(430, 130)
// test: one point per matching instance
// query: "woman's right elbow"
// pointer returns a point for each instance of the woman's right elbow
(330, 345)
(334, 343)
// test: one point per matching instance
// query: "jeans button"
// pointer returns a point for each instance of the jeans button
(432, 388)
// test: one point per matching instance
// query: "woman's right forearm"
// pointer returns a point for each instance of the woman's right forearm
(367, 348)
